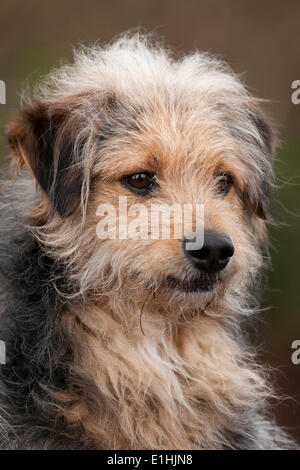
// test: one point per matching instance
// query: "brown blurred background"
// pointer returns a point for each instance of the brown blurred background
(259, 39)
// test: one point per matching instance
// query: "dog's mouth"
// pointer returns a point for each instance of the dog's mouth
(205, 283)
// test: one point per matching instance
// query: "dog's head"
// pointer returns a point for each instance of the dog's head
(126, 131)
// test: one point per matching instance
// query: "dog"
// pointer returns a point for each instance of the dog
(135, 342)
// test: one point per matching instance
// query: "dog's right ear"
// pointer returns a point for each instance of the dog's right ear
(43, 137)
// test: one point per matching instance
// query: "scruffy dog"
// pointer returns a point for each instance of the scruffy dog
(134, 343)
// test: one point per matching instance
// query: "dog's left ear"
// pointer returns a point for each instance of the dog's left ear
(42, 137)
(266, 132)
(256, 194)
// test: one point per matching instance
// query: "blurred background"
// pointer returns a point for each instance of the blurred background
(259, 40)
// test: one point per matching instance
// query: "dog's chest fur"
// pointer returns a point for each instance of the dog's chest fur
(180, 388)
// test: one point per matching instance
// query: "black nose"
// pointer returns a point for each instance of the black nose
(215, 253)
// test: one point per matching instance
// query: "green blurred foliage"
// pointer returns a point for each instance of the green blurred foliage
(258, 39)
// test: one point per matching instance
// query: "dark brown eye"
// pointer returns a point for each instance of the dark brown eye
(224, 183)
(139, 182)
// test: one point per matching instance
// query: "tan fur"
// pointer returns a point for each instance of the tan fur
(162, 368)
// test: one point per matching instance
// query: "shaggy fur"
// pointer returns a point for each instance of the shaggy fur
(103, 350)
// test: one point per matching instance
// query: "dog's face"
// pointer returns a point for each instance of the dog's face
(158, 144)
(195, 162)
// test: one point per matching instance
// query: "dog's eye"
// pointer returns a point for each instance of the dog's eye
(139, 182)
(224, 183)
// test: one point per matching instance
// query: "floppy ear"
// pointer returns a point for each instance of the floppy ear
(256, 193)
(43, 137)
(266, 132)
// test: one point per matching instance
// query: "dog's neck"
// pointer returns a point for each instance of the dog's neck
(162, 386)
